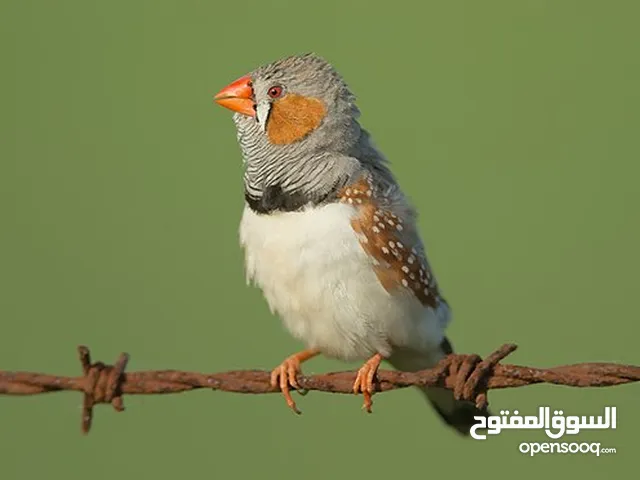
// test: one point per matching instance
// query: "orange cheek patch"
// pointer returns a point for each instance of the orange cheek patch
(293, 117)
(397, 265)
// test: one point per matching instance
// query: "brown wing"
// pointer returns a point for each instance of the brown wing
(398, 256)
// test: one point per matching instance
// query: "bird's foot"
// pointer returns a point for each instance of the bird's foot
(365, 380)
(285, 375)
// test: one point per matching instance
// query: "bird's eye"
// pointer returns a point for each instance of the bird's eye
(275, 91)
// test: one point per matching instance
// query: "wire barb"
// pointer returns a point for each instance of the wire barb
(102, 385)
(469, 376)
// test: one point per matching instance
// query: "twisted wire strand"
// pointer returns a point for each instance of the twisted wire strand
(469, 376)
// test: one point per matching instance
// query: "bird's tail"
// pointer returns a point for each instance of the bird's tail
(457, 414)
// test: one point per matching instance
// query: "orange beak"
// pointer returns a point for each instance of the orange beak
(238, 96)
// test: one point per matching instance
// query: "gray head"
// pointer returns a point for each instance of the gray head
(298, 130)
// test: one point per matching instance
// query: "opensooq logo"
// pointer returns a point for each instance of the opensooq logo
(555, 427)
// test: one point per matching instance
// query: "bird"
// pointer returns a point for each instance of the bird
(329, 236)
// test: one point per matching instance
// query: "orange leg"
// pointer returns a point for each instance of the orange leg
(364, 380)
(285, 374)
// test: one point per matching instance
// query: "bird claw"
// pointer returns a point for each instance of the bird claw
(365, 380)
(285, 376)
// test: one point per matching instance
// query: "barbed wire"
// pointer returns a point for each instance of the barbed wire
(469, 376)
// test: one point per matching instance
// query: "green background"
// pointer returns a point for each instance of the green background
(512, 125)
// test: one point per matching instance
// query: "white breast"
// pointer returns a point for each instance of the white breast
(318, 279)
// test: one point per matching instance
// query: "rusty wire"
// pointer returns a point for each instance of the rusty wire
(467, 375)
